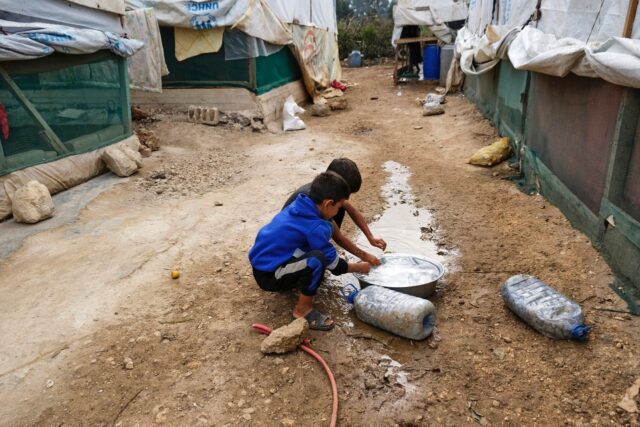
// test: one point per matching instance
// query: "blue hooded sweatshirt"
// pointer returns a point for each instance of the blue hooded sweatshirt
(294, 231)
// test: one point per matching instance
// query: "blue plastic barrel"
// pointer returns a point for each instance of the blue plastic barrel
(355, 59)
(431, 57)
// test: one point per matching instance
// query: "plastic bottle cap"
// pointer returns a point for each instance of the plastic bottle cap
(350, 292)
(580, 332)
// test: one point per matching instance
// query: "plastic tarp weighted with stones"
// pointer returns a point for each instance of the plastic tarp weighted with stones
(58, 175)
(35, 39)
(316, 51)
(147, 66)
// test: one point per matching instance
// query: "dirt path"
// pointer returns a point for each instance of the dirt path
(80, 298)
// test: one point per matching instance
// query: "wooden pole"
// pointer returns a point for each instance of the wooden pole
(631, 17)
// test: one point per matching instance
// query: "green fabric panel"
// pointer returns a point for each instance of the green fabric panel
(206, 70)
(509, 109)
(82, 98)
(483, 91)
(276, 70)
(212, 70)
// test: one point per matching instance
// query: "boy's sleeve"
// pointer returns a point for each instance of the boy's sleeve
(319, 240)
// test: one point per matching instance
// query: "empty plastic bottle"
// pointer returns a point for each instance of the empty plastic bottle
(544, 309)
(404, 315)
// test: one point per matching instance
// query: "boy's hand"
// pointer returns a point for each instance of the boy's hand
(378, 243)
(370, 258)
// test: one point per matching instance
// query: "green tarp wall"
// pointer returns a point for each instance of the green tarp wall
(62, 105)
(259, 75)
(578, 143)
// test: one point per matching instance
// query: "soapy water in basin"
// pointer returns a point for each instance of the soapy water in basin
(403, 271)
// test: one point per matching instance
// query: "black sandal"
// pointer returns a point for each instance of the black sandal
(316, 321)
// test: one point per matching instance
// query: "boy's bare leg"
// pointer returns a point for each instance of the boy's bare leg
(304, 307)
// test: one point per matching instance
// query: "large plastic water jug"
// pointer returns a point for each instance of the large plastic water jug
(544, 309)
(431, 58)
(404, 315)
(355, 59)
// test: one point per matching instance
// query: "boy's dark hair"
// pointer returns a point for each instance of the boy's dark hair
(329, 185)
(348, 170)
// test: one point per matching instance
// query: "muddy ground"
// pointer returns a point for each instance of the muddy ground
(81, 300)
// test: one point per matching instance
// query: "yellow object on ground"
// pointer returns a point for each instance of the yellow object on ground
(492, 154)
(196, 42)
(175, 274)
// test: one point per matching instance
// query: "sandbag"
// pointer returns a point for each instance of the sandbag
(58, 175)
(492, 154)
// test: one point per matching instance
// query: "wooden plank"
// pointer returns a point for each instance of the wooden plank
(115, 6)
(407, 40)
(622, 144)
(631, 17)
(54, 141)
(125, 95)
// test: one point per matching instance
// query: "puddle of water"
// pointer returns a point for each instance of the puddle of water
(394, 371)
(401, 223)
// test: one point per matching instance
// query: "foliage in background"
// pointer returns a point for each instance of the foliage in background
(365, 25)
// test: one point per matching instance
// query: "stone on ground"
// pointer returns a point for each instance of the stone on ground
(286, 338)
(432, 109)
(32, 203)
(133, 155)
(119, 162)
(338, 104)
(320, 110)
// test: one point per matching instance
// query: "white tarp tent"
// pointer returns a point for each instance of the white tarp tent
(311, 13)
(62, 12)
(583, 37)
(432, 13)
(253, 17)
(35, 39)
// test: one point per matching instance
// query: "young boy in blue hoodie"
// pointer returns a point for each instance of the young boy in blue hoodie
(293, 250)
(348, 170)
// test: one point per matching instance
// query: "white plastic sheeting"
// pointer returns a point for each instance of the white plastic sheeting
(478, 55)
(147, 66)
(432, 13)
(428, 12)
(60, 12)
(24, 38)
(239, 45)
(579, 36)
(585, 20)
(253, 17)
(311, 13)
(617, 60)
(197, 14)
